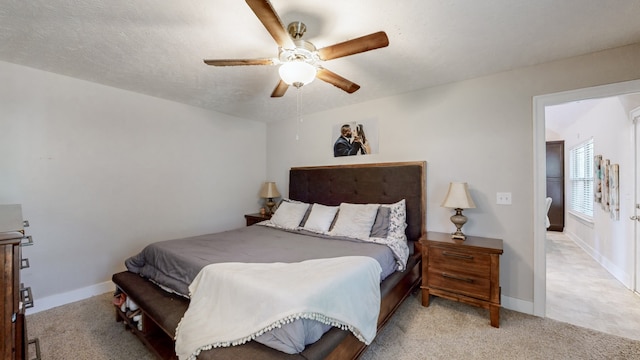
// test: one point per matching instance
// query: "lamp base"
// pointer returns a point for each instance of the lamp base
(270, 204)
(458, 220)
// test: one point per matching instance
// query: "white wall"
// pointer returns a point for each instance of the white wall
(479, 131)
(608, 241)
(101, 172)
(551, 135)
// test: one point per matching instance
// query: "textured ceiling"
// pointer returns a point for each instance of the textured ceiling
(157, 47)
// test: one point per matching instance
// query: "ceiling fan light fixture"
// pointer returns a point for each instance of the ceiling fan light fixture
(297, 73)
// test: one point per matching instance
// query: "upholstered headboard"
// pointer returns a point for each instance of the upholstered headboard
(382, 183)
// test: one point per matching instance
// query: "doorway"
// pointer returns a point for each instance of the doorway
(540, 103)
(583, 262)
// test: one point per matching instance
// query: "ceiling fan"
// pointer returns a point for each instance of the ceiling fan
(299, 60)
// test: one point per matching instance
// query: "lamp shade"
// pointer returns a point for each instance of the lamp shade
(269, 190)
(297, 73)
(458, 197)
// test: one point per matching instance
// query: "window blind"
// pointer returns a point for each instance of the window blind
(581, 178)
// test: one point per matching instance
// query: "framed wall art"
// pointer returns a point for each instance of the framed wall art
(614, 192)
(597, 178)
(353, 138)
(605, 184)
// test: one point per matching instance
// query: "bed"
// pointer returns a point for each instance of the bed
(159, 308)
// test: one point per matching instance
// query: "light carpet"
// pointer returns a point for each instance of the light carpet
(445, 330)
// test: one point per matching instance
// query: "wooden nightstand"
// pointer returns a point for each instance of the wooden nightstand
(256, 218)
(465, 271)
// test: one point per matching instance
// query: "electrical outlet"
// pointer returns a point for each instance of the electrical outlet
(503, 198)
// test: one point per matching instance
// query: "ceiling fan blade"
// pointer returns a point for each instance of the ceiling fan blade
(267, 15)
(337, 80)
(280, 89)
(354, 46)
(236, 62)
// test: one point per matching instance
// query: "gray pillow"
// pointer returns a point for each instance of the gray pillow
(380, 227)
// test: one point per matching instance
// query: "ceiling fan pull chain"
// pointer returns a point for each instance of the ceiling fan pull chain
(298, 118)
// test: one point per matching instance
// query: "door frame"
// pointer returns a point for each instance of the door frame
(635, 117)
(539, 174)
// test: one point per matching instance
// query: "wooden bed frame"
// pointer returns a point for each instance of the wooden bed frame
(382, 183)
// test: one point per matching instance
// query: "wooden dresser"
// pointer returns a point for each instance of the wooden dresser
(466, 271)
(12, 326)
(15, 297)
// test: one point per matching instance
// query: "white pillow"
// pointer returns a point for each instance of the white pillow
(320, 217)
(355, 220)
(289, 214)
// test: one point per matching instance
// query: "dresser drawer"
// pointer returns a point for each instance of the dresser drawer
(459, 283)
(465, 262)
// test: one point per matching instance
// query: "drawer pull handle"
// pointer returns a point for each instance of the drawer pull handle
(26, 296)
(449, 276)
(36, 343)
(26, 241)
(459, 256)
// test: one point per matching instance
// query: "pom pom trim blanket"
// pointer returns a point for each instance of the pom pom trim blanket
(232, 303)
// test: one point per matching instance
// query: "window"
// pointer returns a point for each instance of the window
(581, 178)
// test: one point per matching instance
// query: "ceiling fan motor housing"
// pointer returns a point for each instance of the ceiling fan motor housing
(296, 29)
(304, 51)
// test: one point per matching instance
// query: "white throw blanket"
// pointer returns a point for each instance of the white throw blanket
(232, 303)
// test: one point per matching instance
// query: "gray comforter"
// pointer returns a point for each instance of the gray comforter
(173, 265)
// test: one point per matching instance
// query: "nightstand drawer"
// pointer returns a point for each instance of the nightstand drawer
(465, 284)
(465, 262)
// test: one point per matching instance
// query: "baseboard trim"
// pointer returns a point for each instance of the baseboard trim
(54, 301)
(50, 302)
(613, 269)
(517, 305)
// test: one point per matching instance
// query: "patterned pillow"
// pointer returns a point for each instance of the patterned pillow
(397, 221)
(320, 218)
(289, 215)
(355, 220)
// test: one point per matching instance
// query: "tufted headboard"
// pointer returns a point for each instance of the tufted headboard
(381, 183)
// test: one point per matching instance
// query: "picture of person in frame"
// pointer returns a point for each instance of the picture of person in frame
(343, 145)
(349, 138)
(362, 138)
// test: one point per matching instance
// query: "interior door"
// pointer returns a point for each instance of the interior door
(555, 184)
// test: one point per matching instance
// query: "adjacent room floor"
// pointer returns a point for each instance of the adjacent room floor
(583, 293)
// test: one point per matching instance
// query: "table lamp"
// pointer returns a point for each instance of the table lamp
(269, 191)
(458, 198)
